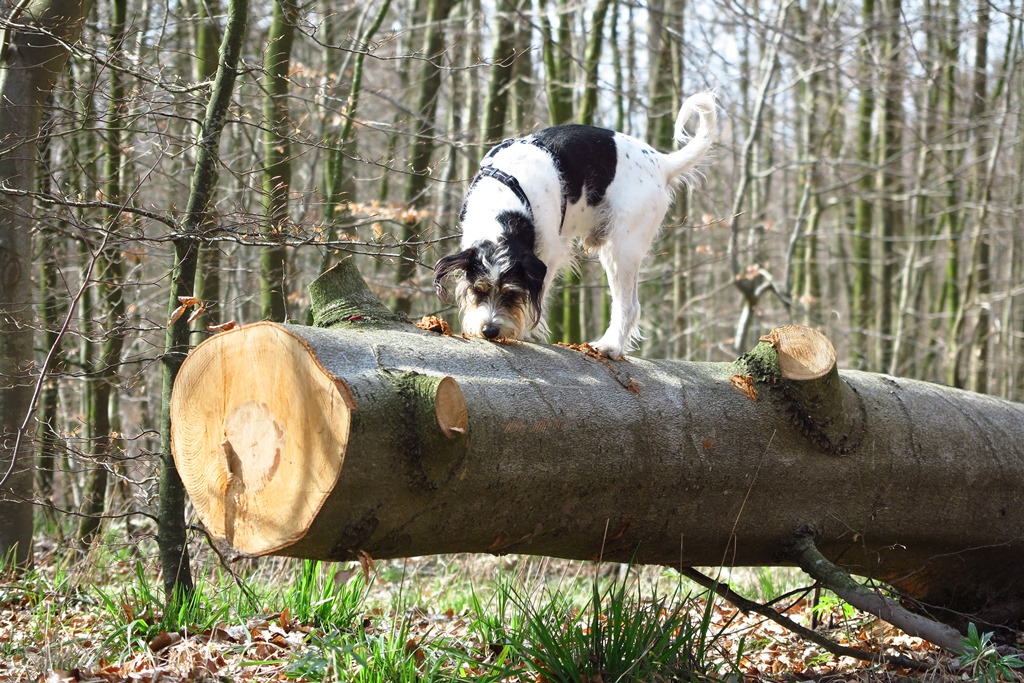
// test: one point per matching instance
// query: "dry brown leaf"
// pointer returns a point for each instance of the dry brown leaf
(223, 327)
(285, 619)
(163, 640)
(366, 562)
(432, 323)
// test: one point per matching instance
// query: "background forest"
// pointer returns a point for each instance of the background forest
(867, 181)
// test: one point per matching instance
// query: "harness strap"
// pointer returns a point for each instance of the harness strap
(510, 181)
(561, 176)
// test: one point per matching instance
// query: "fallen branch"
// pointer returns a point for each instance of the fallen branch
(746, 606)
(874, 602)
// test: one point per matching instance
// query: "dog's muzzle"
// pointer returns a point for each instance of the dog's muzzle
(490, 331)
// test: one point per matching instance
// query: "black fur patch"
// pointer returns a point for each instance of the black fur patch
(585, 157)
(466, 261)
(525, 269)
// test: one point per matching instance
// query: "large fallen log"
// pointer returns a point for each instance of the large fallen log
(371, 436)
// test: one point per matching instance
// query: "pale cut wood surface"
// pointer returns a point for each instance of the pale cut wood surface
(804, 353)
(263, 448)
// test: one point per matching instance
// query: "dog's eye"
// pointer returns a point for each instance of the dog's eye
(510, 299)
(480, 291)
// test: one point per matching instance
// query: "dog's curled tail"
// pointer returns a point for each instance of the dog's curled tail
(693, 149)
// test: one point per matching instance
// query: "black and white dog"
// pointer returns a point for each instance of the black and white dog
(535, 196)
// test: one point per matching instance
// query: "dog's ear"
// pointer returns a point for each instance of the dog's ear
(535, 271)
(462, 261)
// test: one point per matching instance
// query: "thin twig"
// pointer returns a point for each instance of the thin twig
(745, 605)
(51, 354)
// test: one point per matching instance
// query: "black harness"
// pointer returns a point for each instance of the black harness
(511, 182)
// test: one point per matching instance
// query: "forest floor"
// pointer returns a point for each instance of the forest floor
(98, 617)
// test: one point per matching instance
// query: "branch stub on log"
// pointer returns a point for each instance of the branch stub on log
(804, 353)
(341, 294)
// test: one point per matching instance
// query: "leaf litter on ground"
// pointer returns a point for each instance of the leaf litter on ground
(63, 636)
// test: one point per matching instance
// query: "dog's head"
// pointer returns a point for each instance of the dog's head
(499, 283)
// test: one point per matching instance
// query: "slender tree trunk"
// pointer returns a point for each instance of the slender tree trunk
(503, 62)
(426, 99)
(890, 179)
(557, 53)
(524, 100)
(861, 296)
(951, 223)
(33, 51)
(591, 61)
(277, 168)
(558, 87)
(981, 263)
(340, 142)
(803, 279)
(208, 282)
(913, 279)
(49, 446)
(752, 284)
(574, 282)
(102, 413)
(174, 557)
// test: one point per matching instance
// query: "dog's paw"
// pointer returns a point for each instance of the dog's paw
(608, 349)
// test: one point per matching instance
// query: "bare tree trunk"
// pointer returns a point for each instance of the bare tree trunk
(102, 413)
(172, 539)
(664, 96)
(747, 277)
(49, 446)
(410, 442)
(558, 61)
(573, 301)
(340, 143)
(951, 222)
(426, 98)
(563, 318)
(277, 169)
(982, 191)
(890, 178)
(208, 281)
(503, 62)
(803, 281)
(591, 60)
(861, 296)
(33, 51)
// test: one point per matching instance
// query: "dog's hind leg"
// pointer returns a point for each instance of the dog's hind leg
(623, 271)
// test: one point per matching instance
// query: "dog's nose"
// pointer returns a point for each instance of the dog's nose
(490, 330)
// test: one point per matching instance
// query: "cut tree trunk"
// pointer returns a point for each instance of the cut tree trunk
(370, 436)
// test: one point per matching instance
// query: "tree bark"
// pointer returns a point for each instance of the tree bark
(376, 437)
(277, 169)
(591, 62)
(502, 64)
(423, 145)
(177, 576)
(862, 301)
(33, 50)
(103, 409)
(204, 70)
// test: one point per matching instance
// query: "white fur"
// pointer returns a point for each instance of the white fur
(620, 229)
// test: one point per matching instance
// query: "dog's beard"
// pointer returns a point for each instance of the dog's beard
(508, 310)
